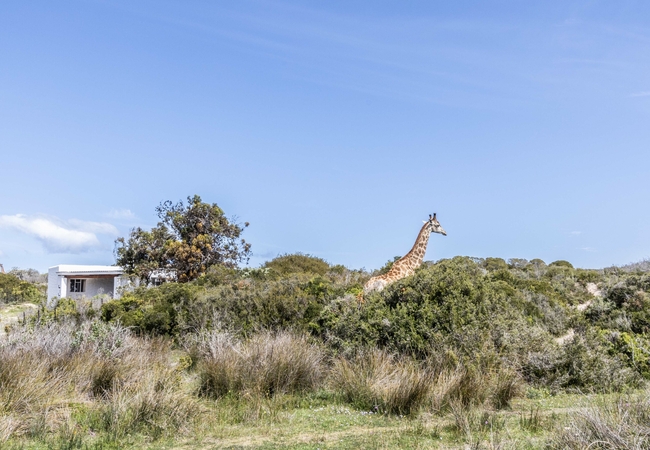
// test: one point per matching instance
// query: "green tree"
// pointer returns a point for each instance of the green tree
(188, 240)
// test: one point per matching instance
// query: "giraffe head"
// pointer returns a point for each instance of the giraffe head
(434, 225)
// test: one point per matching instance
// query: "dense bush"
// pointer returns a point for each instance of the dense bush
(29, 275)
(450, 304)
(484, 314)
(297, 263)
(156, 311)
(625, 305)
(239, 300)
(243, 306)
(584, 363)
(494, 264)
(561, 263)
(15, 290)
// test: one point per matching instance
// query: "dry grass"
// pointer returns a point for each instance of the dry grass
(463, 387)
(267, 364)
(506, 385)
(458, 387)
(621, 424)
(68, 384)
(123, 383)
(378, 381)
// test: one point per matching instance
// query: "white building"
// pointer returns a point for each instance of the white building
(75, 281)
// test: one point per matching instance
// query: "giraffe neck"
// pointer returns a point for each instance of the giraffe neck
(416, 254)
(405, 266)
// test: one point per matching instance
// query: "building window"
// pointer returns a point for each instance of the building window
(77, 285)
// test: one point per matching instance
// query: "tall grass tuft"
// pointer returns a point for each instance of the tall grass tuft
(506, 385)
(267, 364)
(282, 363)
(459, 387)
(470, 387)
(624, 424)
(218, 360)
(149, 401)
(375, 380)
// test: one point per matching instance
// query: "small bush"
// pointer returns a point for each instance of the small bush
(297, 263)
(467, 422)
(282, 363)
(103, 377)
(561, 263)
(219, 367)
(581, 364)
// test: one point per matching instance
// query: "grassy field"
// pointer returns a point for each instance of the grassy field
(319, 422)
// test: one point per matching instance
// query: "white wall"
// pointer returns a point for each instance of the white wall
(53, 286)
(56, 285)
(94, 286)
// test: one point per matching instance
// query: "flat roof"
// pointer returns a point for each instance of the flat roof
(76, 269)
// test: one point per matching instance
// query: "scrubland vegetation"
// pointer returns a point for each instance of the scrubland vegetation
(466, 353)
(20, 286)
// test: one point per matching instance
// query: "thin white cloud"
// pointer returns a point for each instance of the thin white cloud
(588, 249)
(94, 227)
(120, 214)
(576, 233)
(640, 94)
(76, 236)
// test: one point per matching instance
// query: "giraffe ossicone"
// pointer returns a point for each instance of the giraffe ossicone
(406, 265)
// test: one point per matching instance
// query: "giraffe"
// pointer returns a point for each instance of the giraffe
(406, 265)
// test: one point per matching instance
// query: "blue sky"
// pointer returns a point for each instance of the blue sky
(334, 128)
